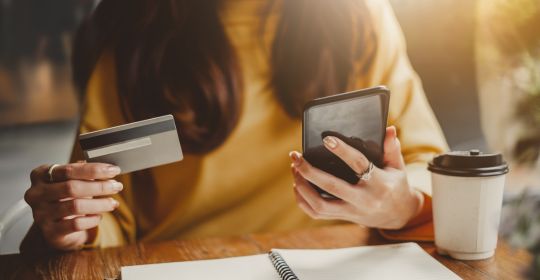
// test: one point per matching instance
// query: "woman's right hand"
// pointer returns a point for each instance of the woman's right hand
(68, 208)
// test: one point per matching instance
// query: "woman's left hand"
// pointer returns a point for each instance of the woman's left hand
(383, 201)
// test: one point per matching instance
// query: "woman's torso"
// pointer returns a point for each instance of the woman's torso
(243, 186)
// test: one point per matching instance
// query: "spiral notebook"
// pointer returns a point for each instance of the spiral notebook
(395, 261)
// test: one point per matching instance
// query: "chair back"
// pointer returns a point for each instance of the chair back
(10, 217)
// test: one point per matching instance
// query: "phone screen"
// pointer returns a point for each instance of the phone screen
(359, 121)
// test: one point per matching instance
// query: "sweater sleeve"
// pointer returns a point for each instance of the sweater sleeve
(418, 130)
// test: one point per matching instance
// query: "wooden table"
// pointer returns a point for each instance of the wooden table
(97, 264)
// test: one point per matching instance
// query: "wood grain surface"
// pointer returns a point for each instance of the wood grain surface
(508, 263)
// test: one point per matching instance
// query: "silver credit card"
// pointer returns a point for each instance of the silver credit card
(134, 146)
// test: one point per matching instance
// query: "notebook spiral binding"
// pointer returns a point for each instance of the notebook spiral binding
(281, 266)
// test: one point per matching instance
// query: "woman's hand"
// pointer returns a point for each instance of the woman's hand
(384, 201)
(68, 208)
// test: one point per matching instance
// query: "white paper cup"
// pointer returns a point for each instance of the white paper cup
(467, 200)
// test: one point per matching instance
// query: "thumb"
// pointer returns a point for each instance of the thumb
(392, 150)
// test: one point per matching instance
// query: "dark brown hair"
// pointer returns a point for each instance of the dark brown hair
(173, 56)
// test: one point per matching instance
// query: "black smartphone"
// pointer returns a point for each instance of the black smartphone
(358, 118)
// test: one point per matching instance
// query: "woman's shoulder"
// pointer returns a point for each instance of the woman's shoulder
(387, 39)
(381, 14)
(377, 6)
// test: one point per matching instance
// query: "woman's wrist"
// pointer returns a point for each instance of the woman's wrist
(418, 203)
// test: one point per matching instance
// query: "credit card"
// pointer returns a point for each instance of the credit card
(134, 146)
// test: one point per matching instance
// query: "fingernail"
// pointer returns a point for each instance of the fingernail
(330, 142)
(296, 158)
(115, 202)
(117, 186)
(114, 170)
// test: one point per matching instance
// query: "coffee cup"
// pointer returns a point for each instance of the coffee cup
(467, 200)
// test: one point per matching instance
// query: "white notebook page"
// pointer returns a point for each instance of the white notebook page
(237, 268)
(397, 261)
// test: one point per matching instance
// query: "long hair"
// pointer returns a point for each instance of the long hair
(173, 56)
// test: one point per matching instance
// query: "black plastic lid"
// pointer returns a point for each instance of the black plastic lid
(472, 163)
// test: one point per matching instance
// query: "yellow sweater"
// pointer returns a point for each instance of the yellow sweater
(245, 185)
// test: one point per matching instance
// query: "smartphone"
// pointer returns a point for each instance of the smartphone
(358, 118)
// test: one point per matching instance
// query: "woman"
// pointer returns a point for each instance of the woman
(236, 74)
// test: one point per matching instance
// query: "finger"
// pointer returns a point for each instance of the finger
(82, 206)
(85, 171)
(81, 223)
(392, 150)
(39, 174)
(361, 195)
(297, 177)
(329, 209)
(323, 180)
(351, 156)
(79, 189)
(302, 203)
(32, 196)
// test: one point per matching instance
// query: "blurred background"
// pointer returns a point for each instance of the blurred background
(482, 80)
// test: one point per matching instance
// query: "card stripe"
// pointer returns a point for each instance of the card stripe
(126, 135)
